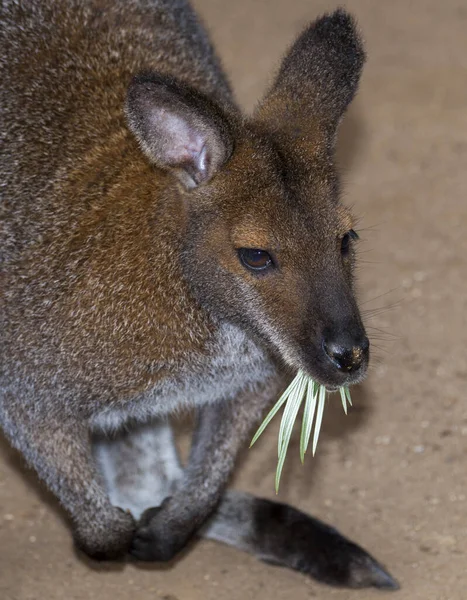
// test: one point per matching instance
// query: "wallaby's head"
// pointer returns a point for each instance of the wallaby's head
(268, 245)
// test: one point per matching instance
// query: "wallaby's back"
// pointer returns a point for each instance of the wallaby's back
(65, 67)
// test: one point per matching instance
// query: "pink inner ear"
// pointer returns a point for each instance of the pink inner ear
(181, 143)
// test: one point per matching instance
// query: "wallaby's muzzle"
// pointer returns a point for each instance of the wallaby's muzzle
(348, 353)
(337, 347)
(339, 357)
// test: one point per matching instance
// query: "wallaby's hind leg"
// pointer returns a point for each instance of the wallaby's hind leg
(282, 535)
(141, 467)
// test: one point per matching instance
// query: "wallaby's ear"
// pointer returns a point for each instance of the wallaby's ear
(317, 80)
(178, 128)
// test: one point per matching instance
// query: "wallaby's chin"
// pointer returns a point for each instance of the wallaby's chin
(334, 379)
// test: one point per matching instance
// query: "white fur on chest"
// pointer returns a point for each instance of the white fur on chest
(234, 363)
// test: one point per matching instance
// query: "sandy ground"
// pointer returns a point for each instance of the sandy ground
(392, 475)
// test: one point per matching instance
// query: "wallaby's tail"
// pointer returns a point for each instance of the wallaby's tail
(282, 535)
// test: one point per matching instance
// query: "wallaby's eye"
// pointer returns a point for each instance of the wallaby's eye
(345, 243)
(254, 259)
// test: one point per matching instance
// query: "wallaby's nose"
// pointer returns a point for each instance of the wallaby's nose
(346, 356)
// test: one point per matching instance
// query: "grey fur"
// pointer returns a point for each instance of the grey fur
(140, 466)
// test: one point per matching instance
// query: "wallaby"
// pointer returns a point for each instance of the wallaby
(161, 250)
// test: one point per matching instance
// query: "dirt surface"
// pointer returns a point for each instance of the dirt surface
(392, 475)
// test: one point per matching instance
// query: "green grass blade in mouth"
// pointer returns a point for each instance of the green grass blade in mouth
(308, 416)
(319, 416)
(287, 423)
(344, 399)
(275, 408)
(290, 411)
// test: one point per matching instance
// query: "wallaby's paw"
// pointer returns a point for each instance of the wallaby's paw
(158, 537)
(285, 536)
(106, 540)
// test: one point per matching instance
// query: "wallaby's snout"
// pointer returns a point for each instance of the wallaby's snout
(347, 349)
(346, 353)
(334, 349)
(344, 344)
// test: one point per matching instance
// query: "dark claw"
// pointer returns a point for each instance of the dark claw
(151, 549)
(144, 534)
(154, 540)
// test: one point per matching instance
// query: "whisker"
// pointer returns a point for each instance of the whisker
(370, 228)
(375, 338)
(380, 348)
(372, 312)
(381, 295)
(383, 331)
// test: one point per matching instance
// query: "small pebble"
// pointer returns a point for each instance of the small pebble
(406, 283)
(419, 449)
(8, 517)
(383, 440)
(441, 371)
(419, 276)
(446, 540)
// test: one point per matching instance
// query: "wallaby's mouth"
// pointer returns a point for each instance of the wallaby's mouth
(332, 382)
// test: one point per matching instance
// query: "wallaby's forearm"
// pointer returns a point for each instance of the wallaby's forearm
(221, 432)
